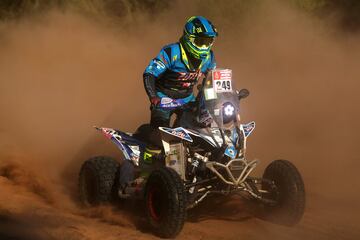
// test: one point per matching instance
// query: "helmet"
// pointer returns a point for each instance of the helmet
(198, 37)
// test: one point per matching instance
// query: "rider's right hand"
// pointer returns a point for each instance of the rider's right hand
(155, 101)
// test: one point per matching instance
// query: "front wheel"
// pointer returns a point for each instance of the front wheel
(285, 187)
(165, 202)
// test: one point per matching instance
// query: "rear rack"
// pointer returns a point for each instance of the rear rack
(233, 164)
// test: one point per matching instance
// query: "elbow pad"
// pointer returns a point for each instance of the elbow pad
(149, 84)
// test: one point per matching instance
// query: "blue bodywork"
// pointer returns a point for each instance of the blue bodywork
(248, 128)
(177, 132)
(230, 151)
(132, 148)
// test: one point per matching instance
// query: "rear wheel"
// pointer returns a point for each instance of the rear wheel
(287, 191)
(97, 180)
(165, 202)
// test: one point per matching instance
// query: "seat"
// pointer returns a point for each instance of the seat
(150, 135)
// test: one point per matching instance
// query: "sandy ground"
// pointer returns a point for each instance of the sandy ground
(61, 73)
(29, 216)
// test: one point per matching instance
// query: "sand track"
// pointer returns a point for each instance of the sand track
(27, 215)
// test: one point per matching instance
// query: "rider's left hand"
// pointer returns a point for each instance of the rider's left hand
(155, 101)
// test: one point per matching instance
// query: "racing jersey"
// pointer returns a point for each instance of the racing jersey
(172, 74)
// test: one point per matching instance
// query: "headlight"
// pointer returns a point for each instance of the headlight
(228, 112)
(229, 109)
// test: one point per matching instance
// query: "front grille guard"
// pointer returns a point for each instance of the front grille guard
(247, 169)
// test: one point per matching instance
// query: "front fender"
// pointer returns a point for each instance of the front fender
(247, 128)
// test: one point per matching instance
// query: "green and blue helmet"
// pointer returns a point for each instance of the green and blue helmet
(198, 37)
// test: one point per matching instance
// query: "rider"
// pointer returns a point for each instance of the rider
(173, 74)
(178, 67)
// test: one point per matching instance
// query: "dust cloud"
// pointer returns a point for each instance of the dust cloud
(62, 73)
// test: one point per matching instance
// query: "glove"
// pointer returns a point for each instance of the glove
(155, 101)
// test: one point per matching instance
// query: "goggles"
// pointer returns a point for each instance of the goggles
(202, 42)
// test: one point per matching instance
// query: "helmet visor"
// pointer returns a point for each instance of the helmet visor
(202, 42)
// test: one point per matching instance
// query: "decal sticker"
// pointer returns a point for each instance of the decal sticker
(116, 138)
(109, 133)
(166, 100)
(169, 103)
(230, 152)
(222, 80)
(186, 85)
(177, 132)
(210, 94)
(147, 157)
(248, 128)
(159, 64)
(135, 155)
(184, 76)
(234, 136)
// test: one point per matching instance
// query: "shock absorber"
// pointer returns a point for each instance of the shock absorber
(194, 165)
(198, 162)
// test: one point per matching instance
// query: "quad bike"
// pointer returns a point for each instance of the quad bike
(203, 153)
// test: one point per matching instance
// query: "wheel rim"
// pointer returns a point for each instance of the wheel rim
(273, 191)
(156, 203)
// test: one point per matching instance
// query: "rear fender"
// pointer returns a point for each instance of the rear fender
(129, 146)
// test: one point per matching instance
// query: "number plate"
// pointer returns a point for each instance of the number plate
(222, 80)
